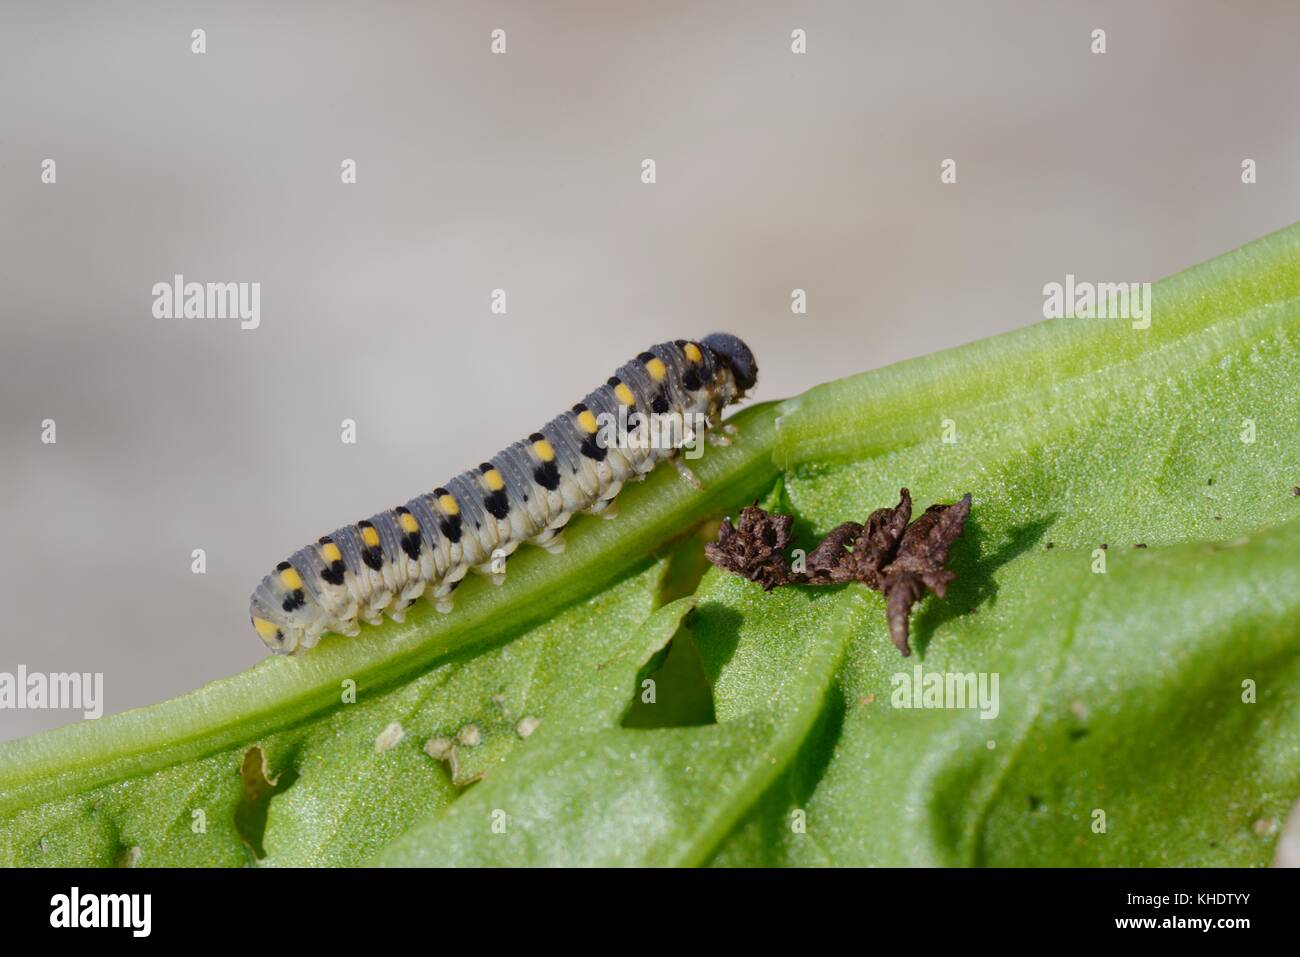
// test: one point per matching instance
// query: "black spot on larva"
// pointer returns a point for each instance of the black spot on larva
(680, 343)
(497, 504)
(485, 467)
(324, 540)
(660, 404)
(295, 601)
(373, 555)
(536, 437)
(547, 476)
(450, 526)
(613, 381)
(334, 573)
(411, 545)
(645, 357)
(592, 449)
(691, 380)
(580, 408)
(440, 491)
(283, 567)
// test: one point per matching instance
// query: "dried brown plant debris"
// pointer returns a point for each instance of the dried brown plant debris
(890, 554)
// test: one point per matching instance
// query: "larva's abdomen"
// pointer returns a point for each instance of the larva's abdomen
(578, 461)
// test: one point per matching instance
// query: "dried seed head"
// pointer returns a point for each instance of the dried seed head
(887, 554)
(753, 550)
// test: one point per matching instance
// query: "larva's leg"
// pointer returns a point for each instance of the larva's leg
(606, 508)
(605, 505)
(405, 600)
(495, 569)
(551, 539)
(716, 438)
(373, 613)
(685, 472)
(442, 597)
(413, 591)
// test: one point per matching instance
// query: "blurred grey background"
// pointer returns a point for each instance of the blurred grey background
(521, 171)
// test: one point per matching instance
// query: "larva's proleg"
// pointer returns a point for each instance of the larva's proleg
(664, 399)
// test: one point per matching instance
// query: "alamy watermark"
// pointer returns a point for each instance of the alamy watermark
(947, 689)
(179, 299)
(652, 430)
(53, 691)
(1073, 299)
(75, 909)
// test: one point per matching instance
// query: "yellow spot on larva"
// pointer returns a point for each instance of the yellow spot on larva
(330, 552)
(544, 450)
(370, 536)
(493, 481)
(408, 522)
(657, 369)
(449, 505)
(624, 394)
(587, 422)
(291, 579)
(265, 629)
(693, 352)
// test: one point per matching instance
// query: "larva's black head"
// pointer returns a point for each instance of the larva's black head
(735, 355)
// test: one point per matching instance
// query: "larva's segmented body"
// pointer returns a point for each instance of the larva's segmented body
(578, 462)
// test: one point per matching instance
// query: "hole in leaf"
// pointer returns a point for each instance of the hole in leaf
(679, 694)
(259, 788)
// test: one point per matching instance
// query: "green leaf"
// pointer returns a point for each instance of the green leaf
(1148, 706)
(1121, 692)
(658, 797)
(89, 793)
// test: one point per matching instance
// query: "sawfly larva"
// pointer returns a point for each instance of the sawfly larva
(659, 403)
